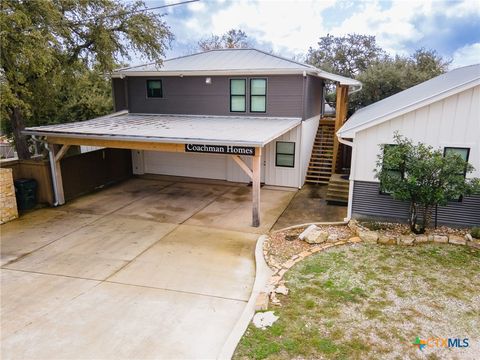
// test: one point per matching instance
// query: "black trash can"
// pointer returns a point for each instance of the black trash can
(26, 193)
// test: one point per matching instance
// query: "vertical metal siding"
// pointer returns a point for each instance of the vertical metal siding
(283, 176)
(309, 132)
(368, 202)
(313, 97)
(454, 121)
(191, 95)
(118, 90)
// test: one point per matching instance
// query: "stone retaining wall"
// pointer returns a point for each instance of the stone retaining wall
(8, 201)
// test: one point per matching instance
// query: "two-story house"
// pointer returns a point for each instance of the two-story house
(239, 115)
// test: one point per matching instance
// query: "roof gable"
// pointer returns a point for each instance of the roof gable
(230, 62)
(412, 99)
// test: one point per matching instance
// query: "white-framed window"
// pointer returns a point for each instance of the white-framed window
(285, 154)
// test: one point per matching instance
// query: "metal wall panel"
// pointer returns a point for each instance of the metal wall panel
(313, 97)
(368, 202)
(191, 95)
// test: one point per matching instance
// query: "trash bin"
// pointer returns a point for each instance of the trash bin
(26, 193)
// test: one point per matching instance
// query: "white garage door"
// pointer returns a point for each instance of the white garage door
(181, 164)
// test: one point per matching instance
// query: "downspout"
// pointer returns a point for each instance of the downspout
(51, 157)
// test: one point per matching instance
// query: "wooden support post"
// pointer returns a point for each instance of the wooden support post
(341, 108)
(256, 168)
(55, 157)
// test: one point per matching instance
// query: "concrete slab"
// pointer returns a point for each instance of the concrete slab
(26, 297)
(233, 210)
(175, 203)
(114, 321)
(97, 250)
(113, 198)
(198, 260)
(36, 229)
(308, 206)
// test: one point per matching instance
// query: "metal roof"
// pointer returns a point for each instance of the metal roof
(179, 129)
(230, 62)
(411, 99)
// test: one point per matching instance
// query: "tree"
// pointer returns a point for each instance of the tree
(389, 76)
(49, 45)
(232, 39)
(424, 177)
(347, 55)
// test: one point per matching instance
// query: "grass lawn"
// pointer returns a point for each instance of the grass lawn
(371, 302)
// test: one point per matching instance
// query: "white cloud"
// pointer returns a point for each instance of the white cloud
(291, 27)
(466, 55)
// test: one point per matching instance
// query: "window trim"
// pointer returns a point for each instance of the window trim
(250, 94)
(161, 89)
(244, 95)
(460, 198)
(279, 153)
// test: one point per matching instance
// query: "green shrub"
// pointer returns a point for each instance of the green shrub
(475, 232)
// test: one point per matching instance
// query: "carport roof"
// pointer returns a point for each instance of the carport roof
(178, 129)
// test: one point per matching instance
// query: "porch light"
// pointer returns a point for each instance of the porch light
(208, 80)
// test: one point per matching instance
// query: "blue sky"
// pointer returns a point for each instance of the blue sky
(290, 27)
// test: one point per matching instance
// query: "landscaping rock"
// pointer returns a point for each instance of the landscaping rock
(457, 240)
(307, 231)
(355, 239)
(332, 238)
(386, 240)
(474, 244)
(282, 289)
(262, 320)
(368, 236)
(443, 239)
(262, 302)
(353, 225)
(468, 237)
(316, 237)
(421, 239)
(406, 240)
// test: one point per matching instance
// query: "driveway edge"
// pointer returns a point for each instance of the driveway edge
(262, 274)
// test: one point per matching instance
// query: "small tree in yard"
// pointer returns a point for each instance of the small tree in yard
(424, 177)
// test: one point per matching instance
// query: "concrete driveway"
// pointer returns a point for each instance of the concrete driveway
(150, 269)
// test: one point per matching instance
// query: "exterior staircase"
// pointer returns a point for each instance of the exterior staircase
(320, 167)
(337, 191)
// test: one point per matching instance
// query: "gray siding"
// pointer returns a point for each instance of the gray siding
(314, 96)
(119, 94)
(369, 203)
(191, 95)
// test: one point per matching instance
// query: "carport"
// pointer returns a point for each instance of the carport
(223, 135)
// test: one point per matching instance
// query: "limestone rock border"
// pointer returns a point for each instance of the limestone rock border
(377, 237)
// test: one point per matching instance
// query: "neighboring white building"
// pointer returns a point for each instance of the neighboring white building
(443, 112)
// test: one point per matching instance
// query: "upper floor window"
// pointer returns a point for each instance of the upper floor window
(238, 95)
(154, 89)
(258, 95)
